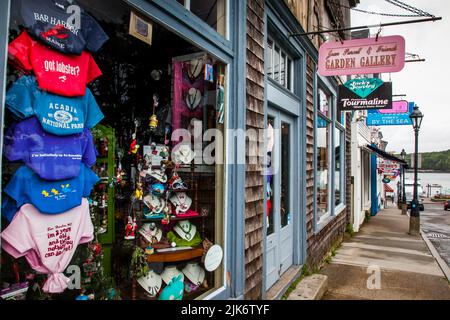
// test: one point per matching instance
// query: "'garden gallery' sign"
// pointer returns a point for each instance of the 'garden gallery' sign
(365, 94)
(362, 56)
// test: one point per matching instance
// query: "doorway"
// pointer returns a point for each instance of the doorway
(279, 187)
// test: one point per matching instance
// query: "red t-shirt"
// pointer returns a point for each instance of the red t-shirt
(65, 75)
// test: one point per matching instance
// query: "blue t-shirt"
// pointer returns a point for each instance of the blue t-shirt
(58, 115)
(54, 22)
(50, 157)
(49, 197)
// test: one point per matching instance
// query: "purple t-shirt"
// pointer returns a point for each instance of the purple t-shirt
(51, 157)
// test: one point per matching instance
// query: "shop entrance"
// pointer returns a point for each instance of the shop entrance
(280, 209)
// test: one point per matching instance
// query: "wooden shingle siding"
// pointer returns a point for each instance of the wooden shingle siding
(254, 180)
(310, 66)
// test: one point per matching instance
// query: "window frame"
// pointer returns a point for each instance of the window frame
(289, 64)
(333, 118)
(187, 6)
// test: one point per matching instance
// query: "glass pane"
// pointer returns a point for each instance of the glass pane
(283, 69)
(285, 174)
(323, 166)
(269, 59)
(289, 74)
(213, 12)
(323, 102)
(276, 64)
(338, 166)
(270, 177)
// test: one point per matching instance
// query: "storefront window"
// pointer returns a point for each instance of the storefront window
(323, 139)
(105, 137)
(270, 176)
(338, 166)
(285, 174)
(213, 12)
(324, 101)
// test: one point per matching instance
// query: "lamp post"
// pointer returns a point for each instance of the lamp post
(404, 205)
(414, 221)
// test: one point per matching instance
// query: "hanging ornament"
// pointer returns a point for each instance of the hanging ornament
(154, 119)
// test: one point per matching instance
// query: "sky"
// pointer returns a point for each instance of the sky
(426, 83)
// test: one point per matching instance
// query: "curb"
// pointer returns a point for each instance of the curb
(310, 288)
(442, 264)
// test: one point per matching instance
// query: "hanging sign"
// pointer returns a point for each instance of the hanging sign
(362, 56)
(365, 94)
(377, 118)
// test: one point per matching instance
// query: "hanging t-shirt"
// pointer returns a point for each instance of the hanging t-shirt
(57, 114)
(49, 197)
(61, 74)
(48, 242)
(51, 157)
(64, 27)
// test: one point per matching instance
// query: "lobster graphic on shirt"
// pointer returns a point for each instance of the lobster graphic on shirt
(58, 31)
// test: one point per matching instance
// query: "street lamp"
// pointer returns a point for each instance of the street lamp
(403, 198)
(414, 221)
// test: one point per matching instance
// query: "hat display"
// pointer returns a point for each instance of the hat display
(176, 183)
(183, 154)
(159, 173)
(174, 290)
(194, 273)
(152, 283)
(195, 67)
(151, 233)
(185, 230)
(154, 203)
(158, 189)
(181, 201)
(171, 272)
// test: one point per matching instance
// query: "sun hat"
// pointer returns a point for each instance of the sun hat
(171, 272)
(152, 283)
(183, 154)
(174, 290)
(151, 233)
(154, 203)
(181, 201)
(194, 272)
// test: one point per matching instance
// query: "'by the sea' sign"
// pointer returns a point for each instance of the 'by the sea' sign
(362, 56)
(365, 94)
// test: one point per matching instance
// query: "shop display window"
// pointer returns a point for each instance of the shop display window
(157, 205)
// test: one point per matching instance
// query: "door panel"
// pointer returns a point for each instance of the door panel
(280, 239)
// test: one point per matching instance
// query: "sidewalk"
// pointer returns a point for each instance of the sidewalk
(408, 270)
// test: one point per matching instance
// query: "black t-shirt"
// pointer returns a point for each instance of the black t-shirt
(50, 22)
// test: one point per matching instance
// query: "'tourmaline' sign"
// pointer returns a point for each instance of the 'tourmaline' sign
(365, 94)
(362, 56)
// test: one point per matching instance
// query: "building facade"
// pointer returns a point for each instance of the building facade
(278, 204)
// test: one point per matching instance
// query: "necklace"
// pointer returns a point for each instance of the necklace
(192, 99)
(193, 74)
(187, 234)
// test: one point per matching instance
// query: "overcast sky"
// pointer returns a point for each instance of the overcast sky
(426, 83)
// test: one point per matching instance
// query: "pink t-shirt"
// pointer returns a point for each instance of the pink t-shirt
(48, 242)
(58, 73)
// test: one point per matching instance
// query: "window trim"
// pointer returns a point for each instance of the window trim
(288, 67)
(326, 86)
(226, 36)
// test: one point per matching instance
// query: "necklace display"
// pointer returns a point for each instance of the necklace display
(185, 230)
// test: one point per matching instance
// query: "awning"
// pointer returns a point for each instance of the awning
(387, 156)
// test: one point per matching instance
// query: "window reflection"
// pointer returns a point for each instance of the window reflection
(323, 166)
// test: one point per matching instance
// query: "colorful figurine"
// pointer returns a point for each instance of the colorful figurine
(130, 229)
(134, 147)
